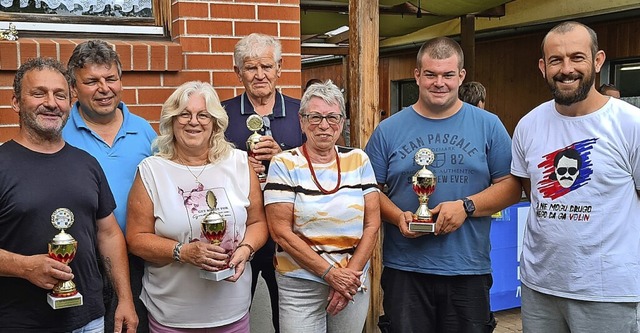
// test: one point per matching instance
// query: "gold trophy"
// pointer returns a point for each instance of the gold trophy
(63, 248)
(213, 227)
(255, 124)
(424, 183)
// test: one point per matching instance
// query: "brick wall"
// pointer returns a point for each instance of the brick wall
(200, 48)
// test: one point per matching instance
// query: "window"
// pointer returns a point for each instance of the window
(625, 75)
(403, 94)
(148, 17)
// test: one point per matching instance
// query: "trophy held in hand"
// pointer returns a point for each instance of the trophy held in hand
(63, 248)
(424, 183)
(213, 228)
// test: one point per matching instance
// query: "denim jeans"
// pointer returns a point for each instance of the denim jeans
(94, 326)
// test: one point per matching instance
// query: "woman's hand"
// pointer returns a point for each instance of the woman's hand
(336, 302)
(204, 255)
(345, 281)
(238, 261)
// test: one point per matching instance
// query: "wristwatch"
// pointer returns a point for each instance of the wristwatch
(469, 206)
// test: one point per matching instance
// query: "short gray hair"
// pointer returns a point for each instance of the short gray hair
(328, 92)
(255, 45)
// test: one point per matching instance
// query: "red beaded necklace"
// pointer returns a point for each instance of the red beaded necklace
(313, 173)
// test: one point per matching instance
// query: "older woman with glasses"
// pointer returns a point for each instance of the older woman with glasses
(171, 195)
(323, 212)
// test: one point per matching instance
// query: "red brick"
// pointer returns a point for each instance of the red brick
(246, 28)
(191, 9)
(291, 62)
(158, 57)
(155, 127)
(224, 78)
(49, 49)
(176, 79)
(225, 93)
(208, 61)
(8, 133)
(141, 79)
(66, 47)
(130, 96)
(6, 79)
(140, 56)
(124, 51)
(290, 30)
(177, 28)
(175, 59)
(5, 96)
(223, 44)
(8, 55)
(148, 112)
(28, 49)
(292, 2)
(233, 11)
(280, 13)
(194, 44)
(8, 116)
(199, 27)
(290, 45)
(153, 95)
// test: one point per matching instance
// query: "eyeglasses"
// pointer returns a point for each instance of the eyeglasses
(316, 118)
(202, 117)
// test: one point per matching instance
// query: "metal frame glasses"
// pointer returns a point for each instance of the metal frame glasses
(316, 118)
(185, 117)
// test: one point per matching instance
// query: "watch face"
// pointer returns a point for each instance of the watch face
(424, 157)
(469, 206)
(62, 218)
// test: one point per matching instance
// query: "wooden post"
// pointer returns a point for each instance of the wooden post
(363, 99)
(468, 43)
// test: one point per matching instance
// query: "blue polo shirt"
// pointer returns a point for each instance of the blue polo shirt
(119, 161)
(284, 121)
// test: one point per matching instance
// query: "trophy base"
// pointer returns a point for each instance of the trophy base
(218, 275)
(418, 226)
(64, 302)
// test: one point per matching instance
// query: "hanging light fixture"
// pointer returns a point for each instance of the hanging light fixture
(419, 13)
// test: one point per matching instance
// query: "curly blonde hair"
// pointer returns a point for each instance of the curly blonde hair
(219, 147)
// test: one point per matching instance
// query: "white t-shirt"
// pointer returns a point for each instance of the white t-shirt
(175, 294)
(582, 237)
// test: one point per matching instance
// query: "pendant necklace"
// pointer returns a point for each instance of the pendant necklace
(313, 173)
(193, 174)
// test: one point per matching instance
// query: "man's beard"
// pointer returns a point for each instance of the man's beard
(569, 97)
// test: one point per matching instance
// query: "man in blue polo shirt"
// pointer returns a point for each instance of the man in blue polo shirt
(101, 124)
(258, 60)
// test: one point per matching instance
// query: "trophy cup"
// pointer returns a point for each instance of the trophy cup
(255, 123)
(213, 227)
(63, 249)
(424, 183)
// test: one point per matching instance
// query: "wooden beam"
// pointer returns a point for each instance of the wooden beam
(339, 38)
(468, 43)
(332, 50)
(364, 21)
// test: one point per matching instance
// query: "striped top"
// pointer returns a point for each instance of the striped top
(330, 224)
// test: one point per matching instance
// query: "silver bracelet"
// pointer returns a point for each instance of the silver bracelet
(176, 252)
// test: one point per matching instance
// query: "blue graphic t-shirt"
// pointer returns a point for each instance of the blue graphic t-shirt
(471, 148)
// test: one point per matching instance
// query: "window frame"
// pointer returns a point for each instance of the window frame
(34, 25)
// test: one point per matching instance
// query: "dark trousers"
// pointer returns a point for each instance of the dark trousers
(263, 262)
(416, 302)
(136, 271)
